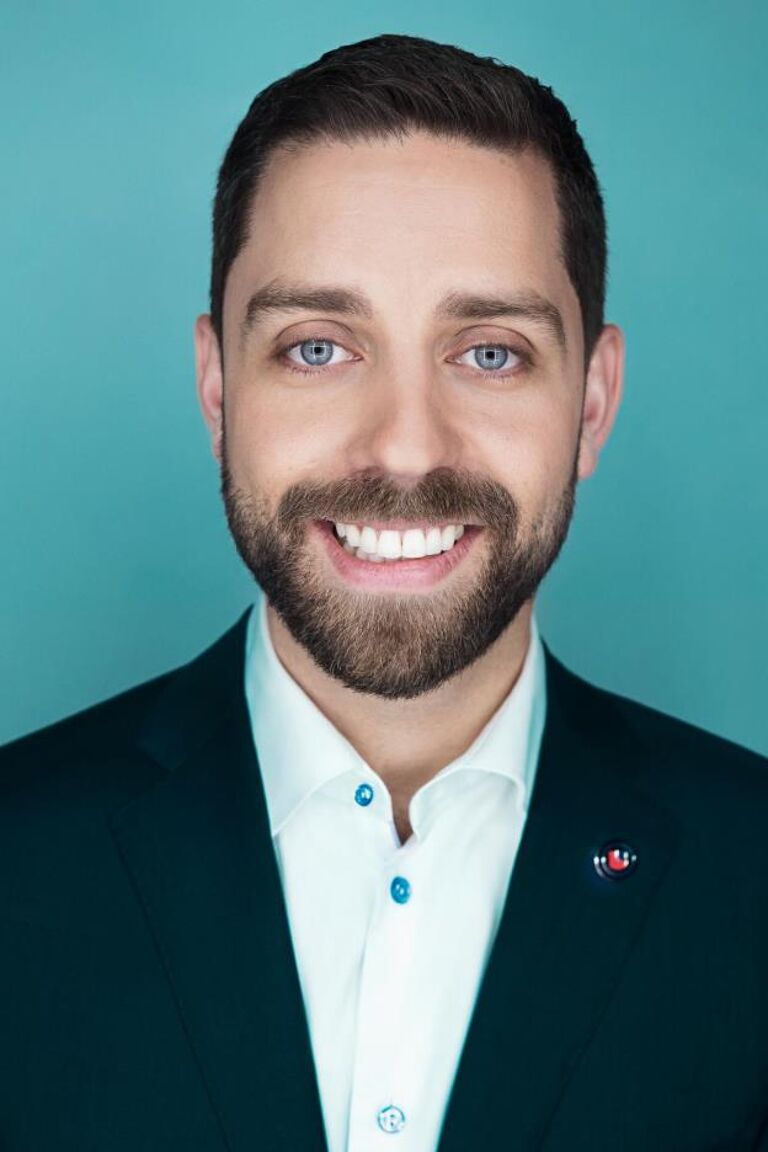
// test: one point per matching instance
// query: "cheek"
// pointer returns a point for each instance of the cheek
(532, 457)
(272, 446)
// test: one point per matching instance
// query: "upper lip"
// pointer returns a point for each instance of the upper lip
(404, 525)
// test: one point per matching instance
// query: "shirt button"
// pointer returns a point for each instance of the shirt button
(391, 1118)
(400, 890)
(364, 795)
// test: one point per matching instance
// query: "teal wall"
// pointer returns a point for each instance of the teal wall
(116, 559)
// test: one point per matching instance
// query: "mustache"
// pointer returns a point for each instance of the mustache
(441, 495)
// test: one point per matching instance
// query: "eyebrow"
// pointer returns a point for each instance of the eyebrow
(280, 296)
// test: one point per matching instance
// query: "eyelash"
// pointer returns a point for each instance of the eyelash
(281, 353)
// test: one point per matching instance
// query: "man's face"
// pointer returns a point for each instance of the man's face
(405, 414)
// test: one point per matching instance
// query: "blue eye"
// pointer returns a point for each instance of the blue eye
(489, 357)
(317, 351)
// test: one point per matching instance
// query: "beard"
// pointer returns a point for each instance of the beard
(391, 645)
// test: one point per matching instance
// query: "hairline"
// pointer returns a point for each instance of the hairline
(294, 143)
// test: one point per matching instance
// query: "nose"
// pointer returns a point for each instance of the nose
(408, 425)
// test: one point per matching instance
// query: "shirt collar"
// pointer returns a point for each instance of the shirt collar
(299, 750)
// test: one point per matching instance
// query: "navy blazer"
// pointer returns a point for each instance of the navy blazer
(150, 1000)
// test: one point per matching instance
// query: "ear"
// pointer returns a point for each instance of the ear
(602, 395)
(210, 379)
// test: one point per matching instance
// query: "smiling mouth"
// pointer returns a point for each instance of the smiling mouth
(396, 544)
(409, 552)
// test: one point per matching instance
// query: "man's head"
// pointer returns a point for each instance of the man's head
(463, 374)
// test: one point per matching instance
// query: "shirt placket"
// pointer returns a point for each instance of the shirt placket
(381, 1106)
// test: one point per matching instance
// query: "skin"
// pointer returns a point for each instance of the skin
(404, 424)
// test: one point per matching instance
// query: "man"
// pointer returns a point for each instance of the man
(376, 870)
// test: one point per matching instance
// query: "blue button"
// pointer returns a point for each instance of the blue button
(364, 795)
(391, 1118)
(400, 890)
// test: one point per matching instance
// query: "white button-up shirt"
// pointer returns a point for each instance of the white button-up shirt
(391, 940)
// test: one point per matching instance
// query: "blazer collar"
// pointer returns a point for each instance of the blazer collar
(198, 849)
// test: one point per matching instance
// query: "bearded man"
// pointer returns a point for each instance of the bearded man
(376, 870)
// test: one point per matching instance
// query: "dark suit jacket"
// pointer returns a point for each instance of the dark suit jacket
(150, 999)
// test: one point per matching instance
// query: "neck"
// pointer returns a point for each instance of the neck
(406, 742)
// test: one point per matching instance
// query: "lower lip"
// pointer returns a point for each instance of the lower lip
(422, 573)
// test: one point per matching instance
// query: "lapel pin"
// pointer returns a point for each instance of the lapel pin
(615, 860)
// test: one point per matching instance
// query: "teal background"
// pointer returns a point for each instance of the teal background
(117, 563)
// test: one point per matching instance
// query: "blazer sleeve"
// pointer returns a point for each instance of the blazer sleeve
(761, 1143)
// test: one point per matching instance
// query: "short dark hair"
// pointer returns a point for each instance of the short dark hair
(392, 84)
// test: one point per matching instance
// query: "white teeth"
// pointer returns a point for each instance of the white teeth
(368, 540)
(434, 541)
(415, 544)
(388, 544)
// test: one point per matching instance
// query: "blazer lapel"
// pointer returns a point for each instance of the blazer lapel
(198, 848)
(565, 932)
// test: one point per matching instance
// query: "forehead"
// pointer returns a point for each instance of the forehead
(409, 217)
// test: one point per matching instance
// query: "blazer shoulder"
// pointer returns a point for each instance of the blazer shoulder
(58, 787)
(681, 750)
(80, 744)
